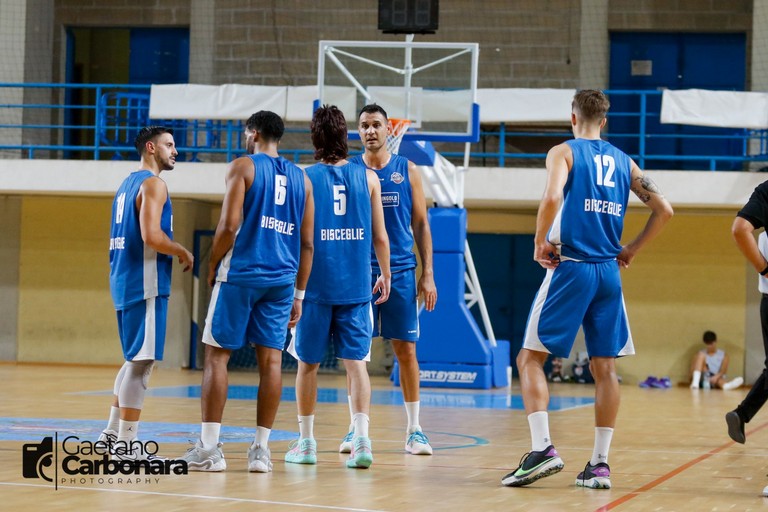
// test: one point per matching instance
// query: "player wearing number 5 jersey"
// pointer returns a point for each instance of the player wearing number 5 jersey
(263, 246)
(578, 240)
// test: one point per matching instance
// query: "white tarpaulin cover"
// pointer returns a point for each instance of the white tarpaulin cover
(724, 109)
(301, 99)
(525, 105)
(229, 101)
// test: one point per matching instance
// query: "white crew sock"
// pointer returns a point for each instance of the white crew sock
(127, 430)
(539, 424)
(360, 421)
(603, 436)
(412, 411)
(696, 379)
(209, 435)
(262, 436)
(733, 384)
(306, 425)
(114, 419)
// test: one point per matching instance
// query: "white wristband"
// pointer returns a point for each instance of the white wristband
(299, 294)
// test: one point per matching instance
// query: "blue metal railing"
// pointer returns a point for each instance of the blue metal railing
(104, 123)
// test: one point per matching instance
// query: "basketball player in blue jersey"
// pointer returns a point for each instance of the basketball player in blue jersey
(405, 217)
(262, 247)
(337, 306)
(141, 251)
(578, 232)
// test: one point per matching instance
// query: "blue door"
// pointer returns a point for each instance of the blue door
(674, 61)
(159, 56)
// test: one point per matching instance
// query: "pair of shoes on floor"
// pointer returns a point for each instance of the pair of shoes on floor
(539, 464)
(416, 443)
(655, 382)
(735, 427)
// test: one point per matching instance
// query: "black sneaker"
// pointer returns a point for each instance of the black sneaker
(534, 465)
(595, 477)
(735, 427)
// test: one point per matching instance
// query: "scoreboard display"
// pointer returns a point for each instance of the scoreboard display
(408, 16)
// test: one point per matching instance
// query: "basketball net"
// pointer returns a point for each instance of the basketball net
(395, 137)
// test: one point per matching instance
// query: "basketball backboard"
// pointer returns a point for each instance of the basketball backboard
(432, 84)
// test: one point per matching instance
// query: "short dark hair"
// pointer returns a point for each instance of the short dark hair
(373, 109)
(269, 125)
(591, 105)
(147, 134)
(709, 337)
(329, 134)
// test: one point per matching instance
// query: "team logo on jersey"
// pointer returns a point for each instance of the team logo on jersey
(396, 178)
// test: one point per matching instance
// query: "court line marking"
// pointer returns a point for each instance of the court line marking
(663, 478)
(197, 496)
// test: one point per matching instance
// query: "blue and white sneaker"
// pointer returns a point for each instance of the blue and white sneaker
(346, 443)
(303, 451)
(362, 454)
(417, 443)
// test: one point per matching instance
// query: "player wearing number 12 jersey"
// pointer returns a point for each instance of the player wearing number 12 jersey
(578, 240)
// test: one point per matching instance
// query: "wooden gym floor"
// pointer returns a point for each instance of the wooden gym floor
(670, 450)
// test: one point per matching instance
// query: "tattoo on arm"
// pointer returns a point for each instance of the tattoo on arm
(644, 186)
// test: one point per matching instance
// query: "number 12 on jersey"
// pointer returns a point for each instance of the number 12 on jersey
(605, 176)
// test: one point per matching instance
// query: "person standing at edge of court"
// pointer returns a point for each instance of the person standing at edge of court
(262, 248)
(406, 221)
(337, 306)
(753, 216)
(141, 251)
(578, 233)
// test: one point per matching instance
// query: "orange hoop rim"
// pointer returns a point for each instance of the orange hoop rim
(399, 125)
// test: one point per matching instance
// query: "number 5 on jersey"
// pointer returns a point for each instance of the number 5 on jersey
(339, 200)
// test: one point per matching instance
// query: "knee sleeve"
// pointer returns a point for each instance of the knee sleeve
(119, 378)
(134, 384)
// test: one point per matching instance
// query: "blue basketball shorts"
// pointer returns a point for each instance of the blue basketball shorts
(239, 314)
(580, 294)
(397, 319)
(142, 329)
(347, 326)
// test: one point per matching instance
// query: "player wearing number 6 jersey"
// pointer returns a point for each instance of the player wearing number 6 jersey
(578, 240)
(263, 246)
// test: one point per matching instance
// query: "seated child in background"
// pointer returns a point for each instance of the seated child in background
(709, 366)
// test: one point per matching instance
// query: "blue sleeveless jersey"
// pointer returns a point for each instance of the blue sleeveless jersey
(341, 268)
(137, 272)
(397, 201)
(268, 242)
(589, 224)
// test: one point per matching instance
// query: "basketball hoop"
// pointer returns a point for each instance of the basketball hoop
(395, 137)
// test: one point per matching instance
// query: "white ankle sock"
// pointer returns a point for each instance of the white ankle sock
(360, 421)
(412, 411)
(603, 436)
(127, 430)
(209, 435)
(733, 384)
(114, 419)
(306, 425)
(696, 379)
(262, 436)
(539, 424)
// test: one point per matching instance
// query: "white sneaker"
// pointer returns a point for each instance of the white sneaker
(108, 437)
(132, 451)
(200, 459)
(417, 443)
(346, 443)
(259, 459)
